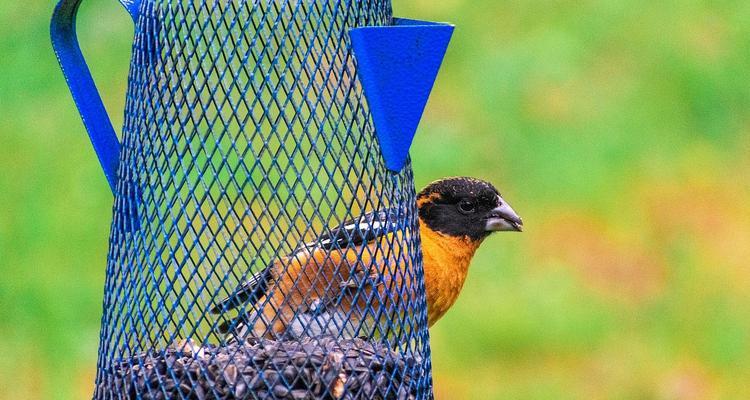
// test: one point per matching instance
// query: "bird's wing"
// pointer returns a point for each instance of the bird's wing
(353, 233)
(358, 231)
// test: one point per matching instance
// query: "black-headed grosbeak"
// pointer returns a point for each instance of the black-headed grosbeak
(325, 286)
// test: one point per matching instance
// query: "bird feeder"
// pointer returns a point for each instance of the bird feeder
(252, 129)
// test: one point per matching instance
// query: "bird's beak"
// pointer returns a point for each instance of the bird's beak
(503, 218)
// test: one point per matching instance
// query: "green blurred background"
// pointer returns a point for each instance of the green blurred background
(618, 129)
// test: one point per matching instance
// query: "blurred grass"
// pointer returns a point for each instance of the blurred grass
(618, 129)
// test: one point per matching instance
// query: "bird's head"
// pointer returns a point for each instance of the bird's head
(466, 207)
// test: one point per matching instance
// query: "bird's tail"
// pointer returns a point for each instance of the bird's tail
(248, 292)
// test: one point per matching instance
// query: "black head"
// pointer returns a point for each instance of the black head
(466, 207)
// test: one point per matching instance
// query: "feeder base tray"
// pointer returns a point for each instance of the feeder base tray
(320, 368)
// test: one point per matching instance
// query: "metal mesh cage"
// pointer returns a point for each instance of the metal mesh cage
(247, 147)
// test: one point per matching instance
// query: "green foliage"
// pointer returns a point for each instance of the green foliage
(618, 129)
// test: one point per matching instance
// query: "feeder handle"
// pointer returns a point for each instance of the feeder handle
(82, 87)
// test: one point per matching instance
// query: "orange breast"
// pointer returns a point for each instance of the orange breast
(446, 263)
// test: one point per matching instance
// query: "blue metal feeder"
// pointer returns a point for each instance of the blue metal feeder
(254, 130)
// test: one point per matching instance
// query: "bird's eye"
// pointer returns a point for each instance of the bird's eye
(466, 207)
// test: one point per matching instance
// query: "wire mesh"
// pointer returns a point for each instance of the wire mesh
(248, 150)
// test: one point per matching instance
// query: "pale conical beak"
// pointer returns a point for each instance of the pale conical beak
(503, 218)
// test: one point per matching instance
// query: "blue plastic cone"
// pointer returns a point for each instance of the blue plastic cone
(397, 66)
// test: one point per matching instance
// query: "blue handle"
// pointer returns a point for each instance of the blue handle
(81, 84)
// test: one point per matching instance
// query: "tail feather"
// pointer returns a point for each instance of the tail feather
(234, 324)
(249, 292)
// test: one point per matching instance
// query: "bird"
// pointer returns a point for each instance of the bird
(358, 273)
